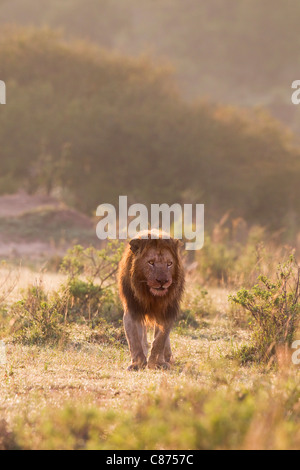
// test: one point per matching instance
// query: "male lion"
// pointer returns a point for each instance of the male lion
(151, 284)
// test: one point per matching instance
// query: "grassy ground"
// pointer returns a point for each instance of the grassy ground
(79, 395)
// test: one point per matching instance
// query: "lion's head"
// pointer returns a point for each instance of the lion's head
(155, 265)
(151, 276)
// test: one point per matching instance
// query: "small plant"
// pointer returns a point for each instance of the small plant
(87, 297)
(216, 262)
(91, 282)
(38, 317)
(274, 308)
(196, 305)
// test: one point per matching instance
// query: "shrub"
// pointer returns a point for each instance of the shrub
(88, 296)
(234, 254)
(197, 303)
(216, 261)
(39, 317)
(274, 308)
(82, 118)
(91, 283)
(158, 422)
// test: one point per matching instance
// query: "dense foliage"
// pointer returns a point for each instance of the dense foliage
(274, 307)
(231, 50)
(96, 125)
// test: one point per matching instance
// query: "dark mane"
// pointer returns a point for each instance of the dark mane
(134, 292)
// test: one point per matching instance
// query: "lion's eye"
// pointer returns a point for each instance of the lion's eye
(151, 263)
(170, 264)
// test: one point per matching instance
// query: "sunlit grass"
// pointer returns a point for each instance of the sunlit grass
(79, 394)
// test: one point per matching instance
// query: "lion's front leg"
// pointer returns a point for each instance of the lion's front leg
(161, 353)
(136, 335)
(167, 354)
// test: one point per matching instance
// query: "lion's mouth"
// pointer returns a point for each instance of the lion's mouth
(159, 291)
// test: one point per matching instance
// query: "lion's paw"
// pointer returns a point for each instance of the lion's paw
(159, 365)
(136, 366)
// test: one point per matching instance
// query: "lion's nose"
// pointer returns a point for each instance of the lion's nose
(162, 282)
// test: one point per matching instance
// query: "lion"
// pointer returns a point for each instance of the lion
(151, 285)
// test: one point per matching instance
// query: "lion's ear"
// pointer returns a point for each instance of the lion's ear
(179, 243)
(135, 245)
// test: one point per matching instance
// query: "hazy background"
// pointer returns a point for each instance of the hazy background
(164, 101)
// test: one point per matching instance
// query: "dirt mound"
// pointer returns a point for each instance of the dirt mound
(35, 226)
(12, 205)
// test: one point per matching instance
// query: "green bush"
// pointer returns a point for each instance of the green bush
(39, 317)
(157, 422)
(234, 253)
(235, 32)
(172, 418)
(196, 304)
(91, 284)
(274, 307)
(216, 261)
(83, 118)
(89, 296)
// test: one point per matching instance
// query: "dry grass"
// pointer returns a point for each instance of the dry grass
(15, 280)
(200, 403)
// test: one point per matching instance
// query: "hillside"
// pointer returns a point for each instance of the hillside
(38, 227)
(239, 52)
(95, 125)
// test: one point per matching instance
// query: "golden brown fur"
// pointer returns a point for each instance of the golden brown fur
(151, 284)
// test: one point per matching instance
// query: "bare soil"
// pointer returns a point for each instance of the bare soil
(22, 206)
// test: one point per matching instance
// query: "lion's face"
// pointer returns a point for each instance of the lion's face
(157, 268)
(151, 278)
(154, 266)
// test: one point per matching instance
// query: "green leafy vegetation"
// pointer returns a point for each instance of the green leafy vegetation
(218, 49)
(91, 284)
(38, 318)
(217, 420)
(87, 297)
(90, 125)
(197, 305)
(68, 388)
(235, 253)
(274, 307)
(84, 125)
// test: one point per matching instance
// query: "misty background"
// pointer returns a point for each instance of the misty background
(163, 101)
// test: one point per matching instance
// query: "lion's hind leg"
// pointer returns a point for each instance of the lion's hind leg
(145, 344)
(168, 352)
